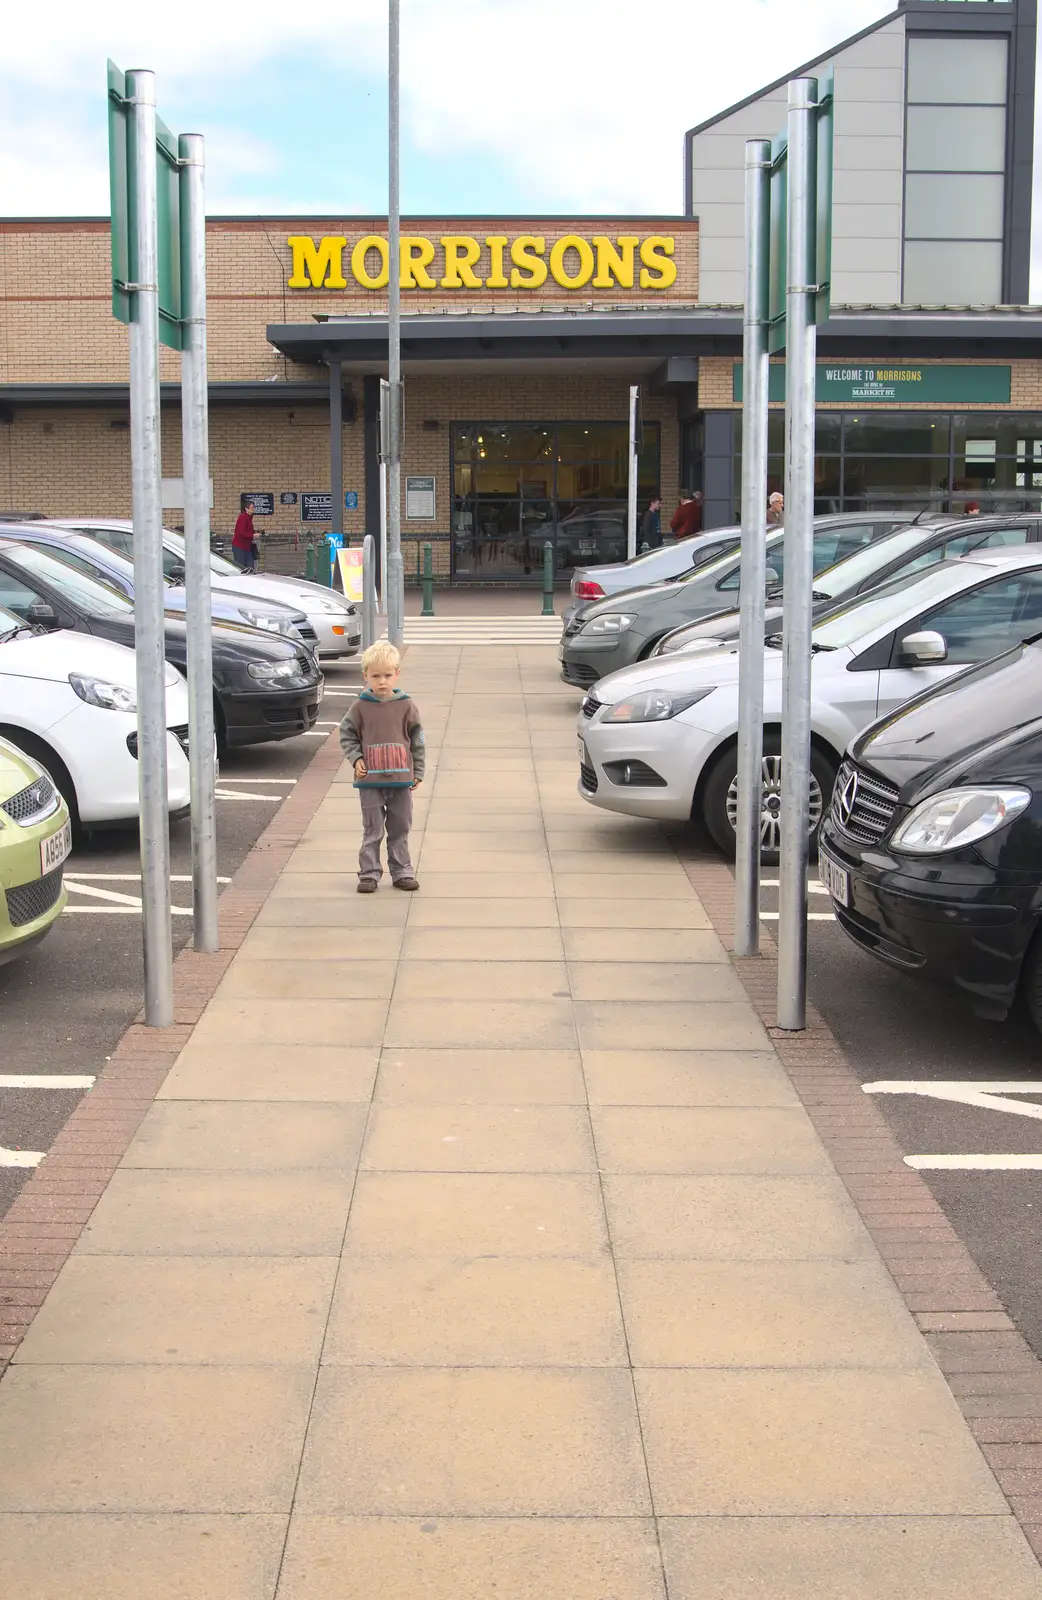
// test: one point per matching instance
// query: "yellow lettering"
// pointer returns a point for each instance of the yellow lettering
(461, 253)
(560, 249)
(359, 269)
(318, 266)
(496, 279)
(658, 271)
(529, 270)
(612, 267)
(417, 255)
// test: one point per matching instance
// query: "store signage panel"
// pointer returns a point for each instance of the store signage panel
(263, 502)
(901, 383)
(316, 507)
(420, 498)
(494, 261)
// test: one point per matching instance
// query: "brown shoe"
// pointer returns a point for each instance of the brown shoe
(367, 885)
(406, 883)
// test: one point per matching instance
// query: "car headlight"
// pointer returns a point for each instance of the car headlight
(337, 607)
(270, 671)
(613, 622)
(958, 817)
(656, 705)
(270, 624)
(98, 692)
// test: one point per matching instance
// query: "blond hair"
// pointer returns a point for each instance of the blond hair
(381, 654)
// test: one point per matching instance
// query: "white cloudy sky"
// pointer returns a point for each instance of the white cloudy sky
(508, 106)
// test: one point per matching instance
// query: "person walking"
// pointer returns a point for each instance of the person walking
(382, 737)
(244, 539)
(775, 510)
(651, 524)
(687, 518)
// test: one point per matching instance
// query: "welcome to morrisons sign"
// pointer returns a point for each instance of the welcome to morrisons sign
(902, 384)
(460, 261)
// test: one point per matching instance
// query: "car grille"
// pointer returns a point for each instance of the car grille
(307, 666)
(31, 900)
(180, 733)
(578, 672)
(32, 804)
(588, 777)
(306, 631)
(863, 805)
(591, 705)
(634, 773)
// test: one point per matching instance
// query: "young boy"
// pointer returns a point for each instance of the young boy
(382, 737)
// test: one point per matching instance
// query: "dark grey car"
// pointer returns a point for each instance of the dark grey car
(625, 628)
(664, 565)
(899, 555)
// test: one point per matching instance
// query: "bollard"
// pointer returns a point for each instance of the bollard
(428, 582)
(328, 563)
(309, 563)
(368, 591)
(645, 547)
(548, 579)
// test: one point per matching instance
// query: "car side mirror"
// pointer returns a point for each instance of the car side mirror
(177, 574)
(920, 649)
(42, 615)
(771, 577)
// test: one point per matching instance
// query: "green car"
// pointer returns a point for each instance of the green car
(35, 838)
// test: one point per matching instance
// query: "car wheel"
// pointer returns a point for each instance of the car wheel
(720, 798)
(1031, 980)
(52, 764)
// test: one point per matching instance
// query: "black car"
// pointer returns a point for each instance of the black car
(264, 686)
(932, 847)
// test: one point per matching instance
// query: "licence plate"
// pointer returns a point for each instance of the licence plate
(582, 753)
(560, 652)
(321, 691)
(54, 849)
(835, 879)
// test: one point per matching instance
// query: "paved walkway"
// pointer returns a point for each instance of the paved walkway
(478, 1245)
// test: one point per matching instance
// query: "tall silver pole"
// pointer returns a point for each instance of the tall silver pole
(631, 481)
(368, 591)
(395, 569)
(755, 376)
(146, 502)
(385, 423)
(196, 453)
(800, 350)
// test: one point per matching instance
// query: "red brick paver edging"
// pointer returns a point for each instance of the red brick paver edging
(991, 1370)
(53, 1207)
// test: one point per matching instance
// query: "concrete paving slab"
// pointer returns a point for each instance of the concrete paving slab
(458, 818)
(479, 1138)
(848, 1558)
(490, 980)
(481, 1077)
(476, 1214)
(475, 944)
(706, 1139)
(461, 861)
(766, 1314)
(382, 910)
(273, 1072)
(250, 1311)
(106, 1557)
(220, 1214)
(623, 912)
(248, 1136)
(347, 1022)
(686, 1078)
(530, 884)
(322, 944)
(646, 980)
(479, 913)
(673, 945)
(733, 1218)
(152, 1439)
(255, 978)
(672, 1025)
(504, 1441)
(536, 1024)
(799, 1443)
(471, 1558)
(445, 1312)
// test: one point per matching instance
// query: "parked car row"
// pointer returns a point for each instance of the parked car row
(926, 717)
(68, 695)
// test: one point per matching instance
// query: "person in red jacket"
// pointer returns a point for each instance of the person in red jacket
(687, 518)
(244, 538)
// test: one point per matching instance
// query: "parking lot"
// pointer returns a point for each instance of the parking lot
(63, 1008)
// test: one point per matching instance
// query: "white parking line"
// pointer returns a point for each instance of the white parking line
(129, 877)
(812, 916)
(775, 883)
(20, 1158)
(29, 1080)
(240, 794)
(244, 777)
(975, 1163)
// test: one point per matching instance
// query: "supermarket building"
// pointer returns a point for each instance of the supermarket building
(521, 336)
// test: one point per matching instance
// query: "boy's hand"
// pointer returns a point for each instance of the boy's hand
(416, 782)
(360, 768)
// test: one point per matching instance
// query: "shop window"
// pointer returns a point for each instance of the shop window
(882, 482)
(896, 433)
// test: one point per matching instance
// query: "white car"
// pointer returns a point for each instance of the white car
(659, 739)
(69, 701)
(336, 622)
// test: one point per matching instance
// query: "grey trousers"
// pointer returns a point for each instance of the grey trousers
(390, 810)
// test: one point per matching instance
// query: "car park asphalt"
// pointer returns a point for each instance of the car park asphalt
(64, 1007)
(897, 1031)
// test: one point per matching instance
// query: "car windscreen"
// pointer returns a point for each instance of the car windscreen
(852, 572)
(9, 624)
(223, 569)
(79, 588)
(883, 607)
(725, 564)
(99, 558)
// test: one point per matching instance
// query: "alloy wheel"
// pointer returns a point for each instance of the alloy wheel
(770, 815)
